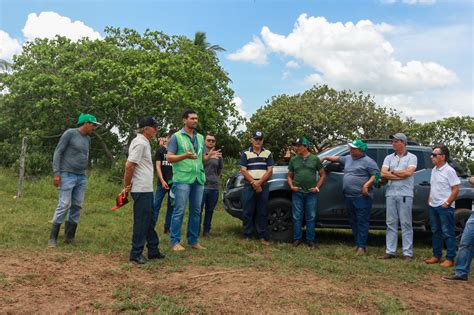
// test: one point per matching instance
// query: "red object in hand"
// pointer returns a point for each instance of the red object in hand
(121, 201)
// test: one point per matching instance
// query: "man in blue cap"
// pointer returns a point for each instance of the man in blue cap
(256, 165)
(304, 184)
(70, 161)
(359, 175)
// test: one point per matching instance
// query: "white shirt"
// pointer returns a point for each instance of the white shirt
(442, 179)
(140, 154)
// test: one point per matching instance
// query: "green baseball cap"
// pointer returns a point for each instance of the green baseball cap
(83, 118)
(303, 141)
(358, 144)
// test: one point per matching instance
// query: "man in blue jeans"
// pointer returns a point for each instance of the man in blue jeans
(138, 179)
(164, 171)
(186, 151)
(304, 184)
(69, 167)
(213, 169)
(443, 191)
(359, 175)
(256, 165)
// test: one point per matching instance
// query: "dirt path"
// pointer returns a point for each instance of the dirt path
(74, 282)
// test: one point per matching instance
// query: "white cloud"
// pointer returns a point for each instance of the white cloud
(252, 52)
(292, 64)
(422, 2)
(239, 106)
(355, 56)
(50, 24)
(8, 46)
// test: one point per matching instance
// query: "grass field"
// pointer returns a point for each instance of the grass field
(232, 276)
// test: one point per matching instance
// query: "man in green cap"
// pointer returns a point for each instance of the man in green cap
(69, 167)
(359, 175)
(304, 184)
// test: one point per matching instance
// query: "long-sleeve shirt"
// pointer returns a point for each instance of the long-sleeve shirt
(72, 153)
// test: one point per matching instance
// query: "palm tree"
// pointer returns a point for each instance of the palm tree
(200, 40)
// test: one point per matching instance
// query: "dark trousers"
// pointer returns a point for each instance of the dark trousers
(209, 203)
(358, 211)
(255, 205)
(143, 227)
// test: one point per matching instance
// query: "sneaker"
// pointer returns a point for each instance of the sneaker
(177, 248)
(156, 256)
(140, 260)
(432, 260)
(407, 258)
(360, 251)
(264, 242)
(311, 244)
(386, 256)
(447, 263)
(454, 278)
(354, 249)
(296, 243)
(198, 246)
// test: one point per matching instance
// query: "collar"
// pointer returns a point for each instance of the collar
(251, 149)
(183, 131)
(442, 167)
(404, 154)
(142, 137)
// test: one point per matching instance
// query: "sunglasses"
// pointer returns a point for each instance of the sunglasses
(435, 154)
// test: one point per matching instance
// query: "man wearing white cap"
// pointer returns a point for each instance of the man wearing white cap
(398, 169)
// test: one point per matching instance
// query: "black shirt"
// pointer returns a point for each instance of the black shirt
(166, 168)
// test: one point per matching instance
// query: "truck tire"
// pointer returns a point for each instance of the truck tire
(460, 218)
(280, 220)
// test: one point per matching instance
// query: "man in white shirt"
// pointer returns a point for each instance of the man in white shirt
(444, 190)
(138, 179)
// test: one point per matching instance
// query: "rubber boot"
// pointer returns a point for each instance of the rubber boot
(70, 232)
(53, 237)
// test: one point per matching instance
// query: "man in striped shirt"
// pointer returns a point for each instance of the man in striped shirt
(256, 165)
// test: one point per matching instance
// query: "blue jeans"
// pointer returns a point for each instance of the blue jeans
(183, 192)
(466, 249)
(399, 208)
(71, 197)
(255, 206)
(209, 201)
(304, 205)
(159, 196)
(143, 228)
(358, 211)
(442, 227)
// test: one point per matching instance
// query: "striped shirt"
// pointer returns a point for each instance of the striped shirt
(256, 164)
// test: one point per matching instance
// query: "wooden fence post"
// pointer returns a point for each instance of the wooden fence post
(24, 145)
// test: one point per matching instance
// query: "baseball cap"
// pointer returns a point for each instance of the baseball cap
(399, 136)
(120, 201)
(303, 141)
(257, 134)
(83, 118)
(147, 122)
(358, 144)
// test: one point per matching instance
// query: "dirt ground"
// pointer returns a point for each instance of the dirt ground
(83, 283)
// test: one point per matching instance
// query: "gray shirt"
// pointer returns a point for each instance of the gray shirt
(356, 173)
(212, 169)
(140, 154)
(72, 153)
(403, 187)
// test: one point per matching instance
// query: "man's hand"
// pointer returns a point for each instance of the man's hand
(295, 188)
(164, 184)
(445, 205)
(190, 155)
(259, 189)
(314, 189)
(365, 191)
(214, 154)
(255, 184)
(57, 181)
(126, 190)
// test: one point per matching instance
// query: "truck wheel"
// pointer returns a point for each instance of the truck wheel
(460, 218)
(280, 222)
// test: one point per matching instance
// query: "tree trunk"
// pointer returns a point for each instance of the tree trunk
(104, 146)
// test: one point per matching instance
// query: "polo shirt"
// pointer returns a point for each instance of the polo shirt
(442, 179)
(394, 162)
(173, 143)
(256, 164)
(305, 171)
(356, 173)
(140, 154)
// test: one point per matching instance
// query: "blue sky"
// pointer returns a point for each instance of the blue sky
(412, 55)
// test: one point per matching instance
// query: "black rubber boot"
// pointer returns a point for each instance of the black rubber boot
(70, 232)
(53, 237)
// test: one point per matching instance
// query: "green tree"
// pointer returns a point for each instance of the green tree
(200, 40)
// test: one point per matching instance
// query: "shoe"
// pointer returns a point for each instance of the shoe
(311, 244)
(264, 242)
(198, 246)
(360, 251)
(205, 234)
(447, 263)
(70, 232)
(177, 248)
(296, 243)
(53, 236)
(166, 230)
(432, 260)
(156, 256)
(454, 278)
(386, 256)
(140, 260)
(407, 258)
(354, 249)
